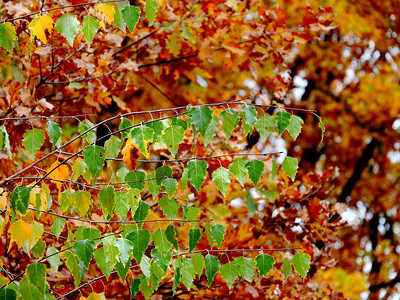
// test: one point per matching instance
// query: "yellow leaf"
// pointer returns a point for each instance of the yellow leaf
(3, 199)
(61, 173)
(3, 280)
(107, 11)
(94, 296)
(3, 223)
(20, 232)
(39, 25)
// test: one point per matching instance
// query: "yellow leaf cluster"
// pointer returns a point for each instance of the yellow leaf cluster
(130, 153)
(20, 233)
(61, 173)
(107, 12)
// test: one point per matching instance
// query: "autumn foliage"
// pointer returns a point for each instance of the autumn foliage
(192, 149)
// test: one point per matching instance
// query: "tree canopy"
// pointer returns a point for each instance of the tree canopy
(191, 149)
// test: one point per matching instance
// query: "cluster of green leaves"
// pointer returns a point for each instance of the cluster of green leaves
(122, 14)
(117, 253)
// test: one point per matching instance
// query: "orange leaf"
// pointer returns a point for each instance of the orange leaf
(130, 153)
(61, 173)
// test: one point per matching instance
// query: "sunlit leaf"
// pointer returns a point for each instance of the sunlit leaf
(218, 232)
(125, 247)
(211, 130)
(58, 226)
(82, 202)
(222, 177)
(247, 267)
(142, 136)
(187, 272)
(107, 12)
(39, 25)
(169, 185)
(173, 136)
(37, 276)
(198, 263)
(274, 170)
(287, 267)
(238, 168)
(113, 146)
(169, 207)
(322, 126)
(160, 240)
(68, 26)
(289, 166)
(107, 200)
(249, 118)
(135, 179)
(294, 128)
(265, 125)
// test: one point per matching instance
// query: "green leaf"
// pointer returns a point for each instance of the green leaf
(37, 276)
(322, 126)
(173, 136)
(209, 235)
(68, 26)
(58, 226)
(197, 172)
(247, 267)
(265, 263)
(152, 185)
(38, 249)
(8, 293)
(131, 16)
(274, 170)
(289, 166)
(106, 198)
(177, 273)
(201, 117)
(122, 269)
(87, 233)
(156, 273)
(142, 136)
(287, 267)
(54, 132)
(135, 179)
(184, 178)
(103, 262)
(295, 126)
(212, 266)
(134, 199)
(125, 123)
(125, 247)
(89, 28)
(238, 168)
(144, 287)
(198, 263)
(283, 120)
(162, 173)
(230, 119)
(211, 130)
(8, 37)
(121, 204)
(20, 199)
(170, 233)
(140, 240)
(135, 283)
(113, 146)
(145, 266)
(251, 206)
(6, 141)
(265, 125)
(249, 118)
(187, 272)
(191, 213)
(301, 264)
(161, 259)
(222, 177)
(53, 257)
(90, 136)
(160, 240)
(141, 212)
(75, 266)
(169, 207)
(255, 169)
(180, 122)
(169, 185)
(84, 250)
(230, 272)
(28, 291)
(82, 202)
(94, 159)
(218, 232)
(194, 237)
(151, 10)
(33, 140)
(118, 18)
